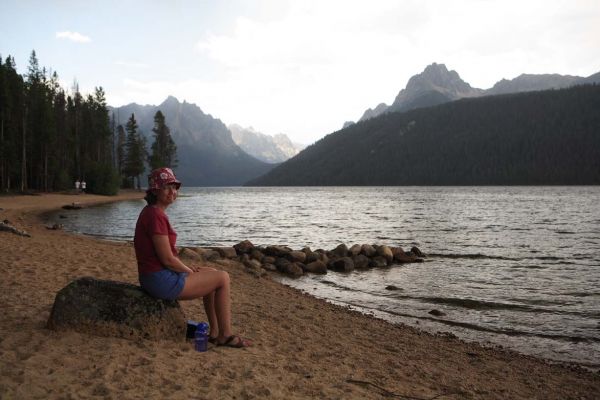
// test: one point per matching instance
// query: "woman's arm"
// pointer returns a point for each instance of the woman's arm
(166, 257)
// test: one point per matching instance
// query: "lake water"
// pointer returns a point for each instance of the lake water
(515, 266)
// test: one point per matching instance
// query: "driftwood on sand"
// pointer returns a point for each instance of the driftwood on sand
(6, 226)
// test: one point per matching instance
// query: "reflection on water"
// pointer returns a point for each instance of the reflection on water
(517, 266)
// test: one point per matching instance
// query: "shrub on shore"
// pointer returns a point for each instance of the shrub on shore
(103, 179)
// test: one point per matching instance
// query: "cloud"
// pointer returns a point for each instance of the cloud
(73, 36)
(330, 60)
(132, 64)
(319, 64)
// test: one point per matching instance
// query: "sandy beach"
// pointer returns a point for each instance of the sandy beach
(303, 347)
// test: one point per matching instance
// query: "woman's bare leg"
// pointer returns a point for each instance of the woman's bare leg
(205, 282)
(209, 308)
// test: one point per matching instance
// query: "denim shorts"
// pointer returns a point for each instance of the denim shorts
(165, 284)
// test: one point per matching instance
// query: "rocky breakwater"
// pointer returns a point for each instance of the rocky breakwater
(295, 263)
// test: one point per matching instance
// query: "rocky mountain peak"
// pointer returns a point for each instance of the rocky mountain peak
(438, 77)
(171, 99)
(267, 148)
(435, 85)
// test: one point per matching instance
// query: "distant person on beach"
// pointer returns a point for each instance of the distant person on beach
(163, 275)
(77, 185)
(83, 186)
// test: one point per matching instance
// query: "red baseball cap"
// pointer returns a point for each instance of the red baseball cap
(161, 177)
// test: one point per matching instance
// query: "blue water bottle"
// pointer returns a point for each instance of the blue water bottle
(201, 337)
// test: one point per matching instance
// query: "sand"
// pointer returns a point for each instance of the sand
(303, 347)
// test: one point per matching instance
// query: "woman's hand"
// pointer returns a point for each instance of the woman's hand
(195, 268)
(166, 257)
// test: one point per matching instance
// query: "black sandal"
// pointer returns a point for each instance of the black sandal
(236, 344)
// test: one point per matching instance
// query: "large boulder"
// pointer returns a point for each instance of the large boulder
(322, 256)
(397, 252)
(268, 260)
(190, 254)
(281, 262)
(256, 254)
(277, 251)
(378, 262)
(368, 250)
(269, 267)
(297, 256)
(207, 254)
(343, 264)
(225, 252)
(361, 261)
(355, 250)
(316, 267)
(293, 270)
(251, 263)
(311, 256)
(401, 257)
(253, 266)
(415, 250)
(243, 247)
(341, 250)
(116, 309)
(385, 252)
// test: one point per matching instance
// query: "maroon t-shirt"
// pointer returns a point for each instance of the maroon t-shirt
(152, 221)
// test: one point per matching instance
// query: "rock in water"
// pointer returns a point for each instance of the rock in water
(344, 264)
(385, 252)
(341, 250)
(244, 247)
(116, 309)
(317, 267)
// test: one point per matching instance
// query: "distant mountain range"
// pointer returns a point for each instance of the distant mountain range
(207, 154)
(437, 85)
(270, 149)
(211, 154)
(547, 137)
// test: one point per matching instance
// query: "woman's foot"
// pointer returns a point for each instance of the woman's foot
(234, 341)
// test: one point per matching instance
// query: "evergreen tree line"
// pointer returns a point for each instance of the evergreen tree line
(49, 139)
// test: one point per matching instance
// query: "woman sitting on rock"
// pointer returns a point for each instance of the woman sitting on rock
(163, 275)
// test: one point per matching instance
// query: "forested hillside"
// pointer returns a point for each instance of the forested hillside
(536, 138)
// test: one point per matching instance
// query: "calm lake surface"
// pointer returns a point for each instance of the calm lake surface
(514, 266)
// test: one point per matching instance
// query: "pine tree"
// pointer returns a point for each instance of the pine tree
(164, 150)
(75, 114)
(12, 109)
(121, 149)
(136, 152)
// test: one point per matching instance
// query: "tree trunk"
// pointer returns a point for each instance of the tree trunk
(45, 169)
(24, 154)
(2, 161)
(77, 153)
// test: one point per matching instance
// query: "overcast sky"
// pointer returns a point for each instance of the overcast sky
(301, 67)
